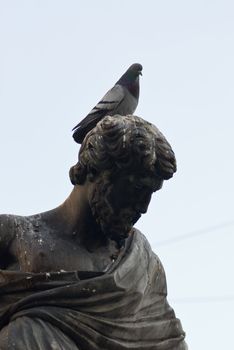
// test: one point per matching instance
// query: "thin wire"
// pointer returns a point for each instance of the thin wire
(194, 234)
(207, 299)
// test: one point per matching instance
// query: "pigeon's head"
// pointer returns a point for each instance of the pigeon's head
(131, 75)
(135, 70)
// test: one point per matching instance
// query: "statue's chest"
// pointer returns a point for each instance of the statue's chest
(40, 253)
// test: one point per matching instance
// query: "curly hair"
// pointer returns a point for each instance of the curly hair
(119, 143)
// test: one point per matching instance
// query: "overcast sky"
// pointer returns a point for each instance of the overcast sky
(58, 58)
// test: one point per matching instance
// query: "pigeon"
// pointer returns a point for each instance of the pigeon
(121, 99)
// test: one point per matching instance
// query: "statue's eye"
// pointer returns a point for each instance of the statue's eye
(138, 186)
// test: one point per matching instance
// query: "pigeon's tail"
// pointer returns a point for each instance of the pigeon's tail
(79, 135)
(87, 124)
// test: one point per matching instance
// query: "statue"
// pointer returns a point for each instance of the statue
(81, 276)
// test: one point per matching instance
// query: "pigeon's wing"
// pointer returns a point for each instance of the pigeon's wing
(112, 99)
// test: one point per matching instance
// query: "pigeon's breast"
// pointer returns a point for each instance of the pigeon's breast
(128, 104)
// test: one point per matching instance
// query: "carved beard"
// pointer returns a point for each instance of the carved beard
(115, 226)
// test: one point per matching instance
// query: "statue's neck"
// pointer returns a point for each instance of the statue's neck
(74, 218)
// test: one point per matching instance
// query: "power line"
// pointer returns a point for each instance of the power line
(194, 234)
(206, 299)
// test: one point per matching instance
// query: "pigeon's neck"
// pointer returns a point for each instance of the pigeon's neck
(132, 86)
(133, 89)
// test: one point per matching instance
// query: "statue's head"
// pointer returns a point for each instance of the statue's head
(127, 159)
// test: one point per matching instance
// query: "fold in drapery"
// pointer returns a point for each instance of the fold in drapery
(124, 308)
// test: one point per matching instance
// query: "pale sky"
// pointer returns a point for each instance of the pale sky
(58, 58)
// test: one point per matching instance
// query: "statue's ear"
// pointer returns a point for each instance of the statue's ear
(77, 174)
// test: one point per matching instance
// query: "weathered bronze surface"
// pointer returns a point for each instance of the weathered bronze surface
(80, 276)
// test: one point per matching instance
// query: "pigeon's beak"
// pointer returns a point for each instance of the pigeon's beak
(140, 73)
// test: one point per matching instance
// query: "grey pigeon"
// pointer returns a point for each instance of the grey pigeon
(122, 99)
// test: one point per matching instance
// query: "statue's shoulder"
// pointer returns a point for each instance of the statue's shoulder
(147, 249)
(6, 222)
(8, 227)
(141, 240)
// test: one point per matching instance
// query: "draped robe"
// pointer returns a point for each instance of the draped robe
(123, 308)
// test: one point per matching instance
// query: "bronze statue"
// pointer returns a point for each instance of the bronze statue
(81, 276)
